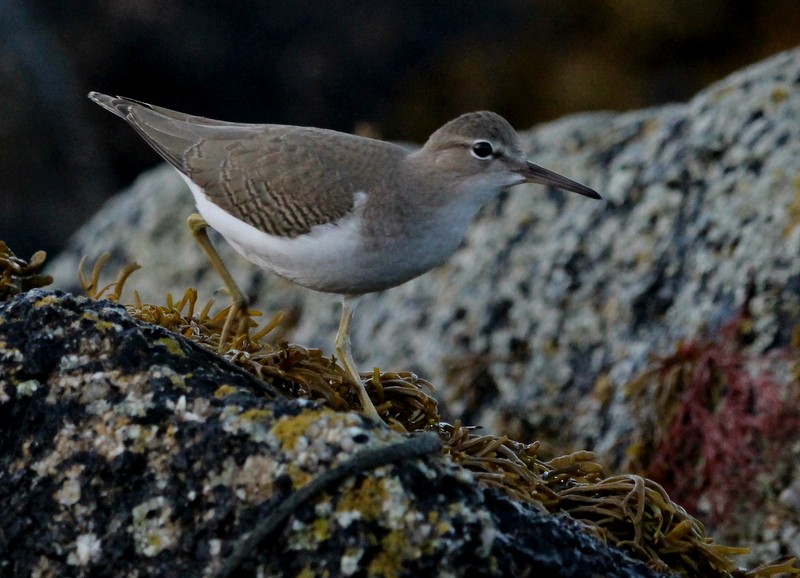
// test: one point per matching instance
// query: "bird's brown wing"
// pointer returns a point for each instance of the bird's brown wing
(283, 180)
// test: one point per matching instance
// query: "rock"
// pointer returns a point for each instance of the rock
(130, 451)
(565, 295)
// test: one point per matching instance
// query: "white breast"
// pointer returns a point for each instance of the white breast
(310, 260)
(337, 258)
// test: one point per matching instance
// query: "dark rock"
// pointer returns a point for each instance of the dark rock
(122, 454)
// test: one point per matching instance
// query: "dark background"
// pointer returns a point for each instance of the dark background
(403, 67)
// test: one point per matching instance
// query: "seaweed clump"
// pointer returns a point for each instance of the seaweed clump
(719, 419)
(17, 275)
(629, 511)
(298, 371)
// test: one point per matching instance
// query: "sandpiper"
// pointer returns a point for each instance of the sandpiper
(332, 211)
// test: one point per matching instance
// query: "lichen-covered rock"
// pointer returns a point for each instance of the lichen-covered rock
(555, 302)
(126, 450)
(566, 295)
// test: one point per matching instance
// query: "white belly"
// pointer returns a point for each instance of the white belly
(331, 258)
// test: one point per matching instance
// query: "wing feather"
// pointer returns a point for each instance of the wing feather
(283, 180)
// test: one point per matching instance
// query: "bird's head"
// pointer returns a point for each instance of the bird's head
(481, 151)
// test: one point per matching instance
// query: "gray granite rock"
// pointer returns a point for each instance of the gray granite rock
(554, 301)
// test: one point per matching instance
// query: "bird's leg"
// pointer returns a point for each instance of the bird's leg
(198, 226)
(343, 350)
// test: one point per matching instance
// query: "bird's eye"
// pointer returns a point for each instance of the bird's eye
(482, 150)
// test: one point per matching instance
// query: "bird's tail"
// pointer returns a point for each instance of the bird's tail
(169, 132)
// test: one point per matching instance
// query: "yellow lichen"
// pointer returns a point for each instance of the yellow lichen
(99, 324)
(257, 414)
(368, 499)
(224, 391)
(46, 300)
(793, 210)
(321, 529)
(172, 346)
(393, 556)
(779, 94)
(299, 476)
(290, 429)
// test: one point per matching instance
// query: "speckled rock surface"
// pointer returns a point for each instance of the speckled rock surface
(563, 294)
(127, 451)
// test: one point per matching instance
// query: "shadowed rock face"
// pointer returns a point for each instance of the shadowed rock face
(127, 451)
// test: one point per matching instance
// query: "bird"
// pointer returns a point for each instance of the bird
(332, 211)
